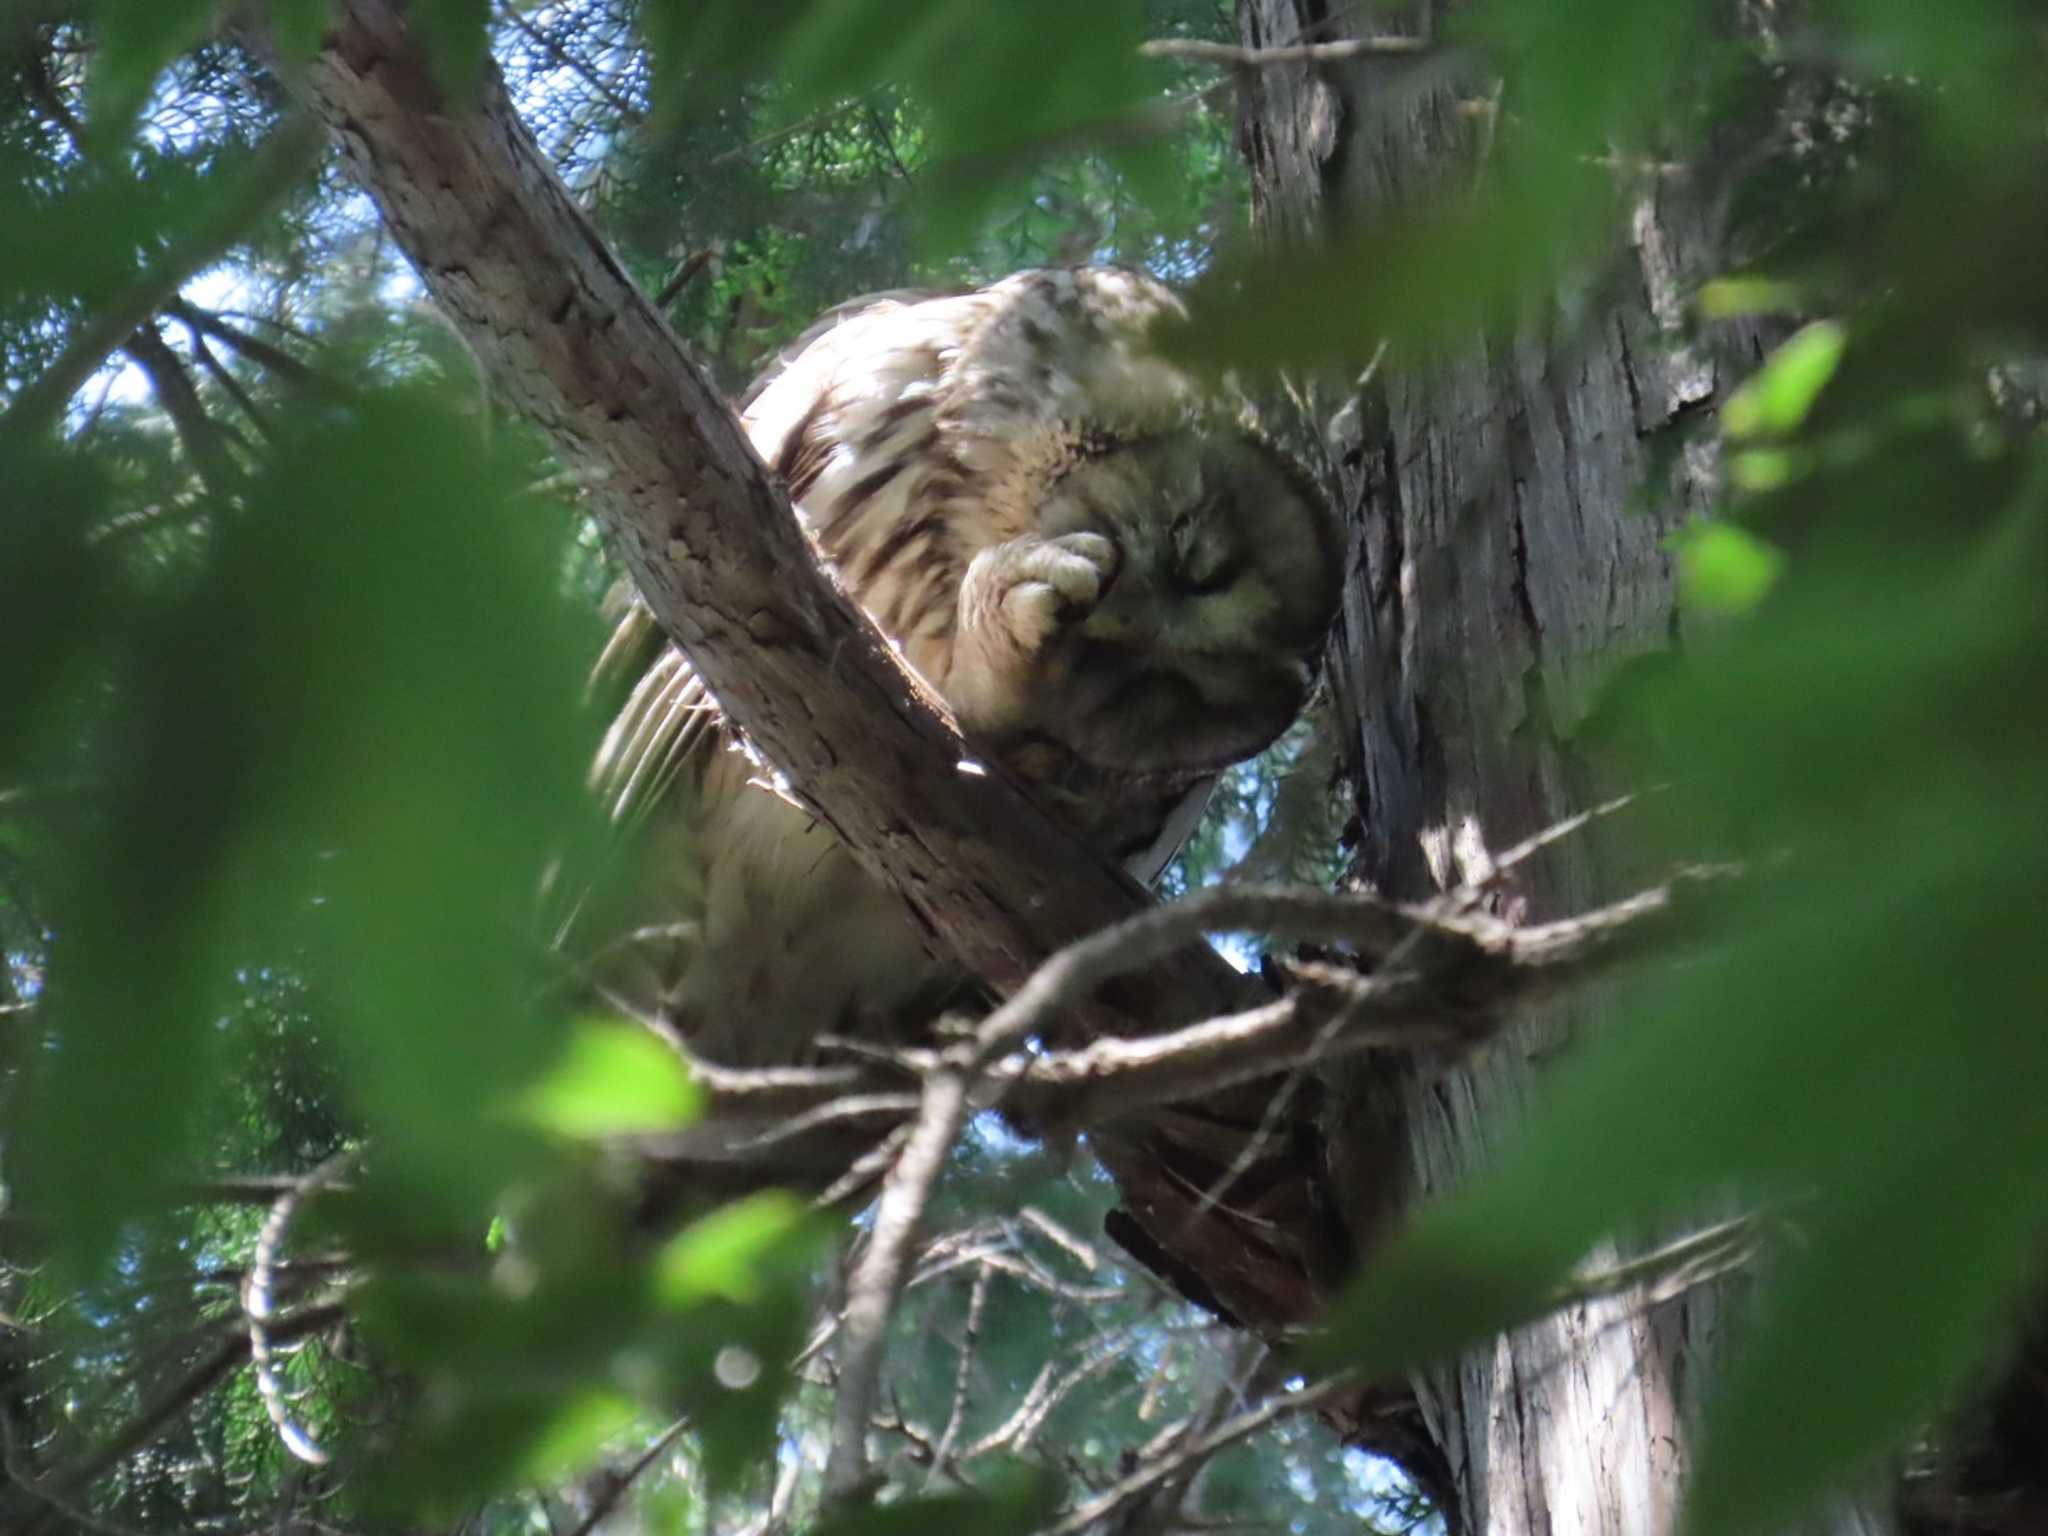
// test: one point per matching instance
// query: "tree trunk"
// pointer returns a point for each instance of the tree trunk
(1506, 570)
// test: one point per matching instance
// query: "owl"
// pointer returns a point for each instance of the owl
(1118, 586)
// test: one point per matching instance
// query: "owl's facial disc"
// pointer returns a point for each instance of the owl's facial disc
(1200, 651)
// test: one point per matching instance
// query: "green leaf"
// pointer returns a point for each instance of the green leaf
(1878, 1314)
(1418, 287)
(576, 1430)
(1588, 74)
(297, 25)
(1733, 298)
(1462, 1273)
(51, 584)
(1854, 1038)
(1759, 470)
(1014, 1505)
(330, 744)
(137, 39)
(999, 101)
(727, 1254)
(454, 37)
(480, 1447)
(613, 1078)
(1775, 400)
(1723, 568)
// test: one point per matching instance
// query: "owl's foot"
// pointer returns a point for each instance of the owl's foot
(1017, 599)
(1045, 585)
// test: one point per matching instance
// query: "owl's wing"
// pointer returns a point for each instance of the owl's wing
(878, 303)
(668, 716)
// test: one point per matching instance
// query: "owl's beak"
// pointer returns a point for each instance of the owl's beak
(1128, 614)
(1115, 625)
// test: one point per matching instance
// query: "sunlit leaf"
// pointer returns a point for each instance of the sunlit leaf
(613, 1078)
(576, 1431)
(1875, 1316)
(1763, 469)
(723, 1254)
(1723, 568)
(486, 1445)
(1776, 399)
(1732, 298)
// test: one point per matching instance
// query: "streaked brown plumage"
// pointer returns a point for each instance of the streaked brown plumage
(1117, 585)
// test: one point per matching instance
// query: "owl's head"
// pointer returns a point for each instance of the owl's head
(1204, 644)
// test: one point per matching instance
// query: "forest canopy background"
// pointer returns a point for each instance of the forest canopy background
(294, 616)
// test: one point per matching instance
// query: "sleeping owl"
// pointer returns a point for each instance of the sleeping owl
(1118, 586)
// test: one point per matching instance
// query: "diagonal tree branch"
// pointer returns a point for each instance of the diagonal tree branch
(711, 541)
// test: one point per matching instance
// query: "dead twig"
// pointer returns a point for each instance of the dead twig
(1668, 1272)
(1200, 51)
(878, 1275)
(615, 1487)
(257, 1297)
(1446, 974)
(695, 263)
(963, 1375)
(1153, 1474)
(254, 348)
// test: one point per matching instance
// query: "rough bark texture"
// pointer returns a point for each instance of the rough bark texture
(1507, 569)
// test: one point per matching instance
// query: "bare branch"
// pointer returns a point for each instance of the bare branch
(200, 436)
(878, 1276)
(970, 1337)
(616, 1487)
(245, 1189)
(1449, 973)
(696, 262)
(1081, 1252)
(1678, 1266)
(224, 376)
(1155, 1473)
(1068, 978)
(1016, 1427)
(254, 348)
(257, 1296)
(1200, 51)
(1463, 967)
(1529, 847)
